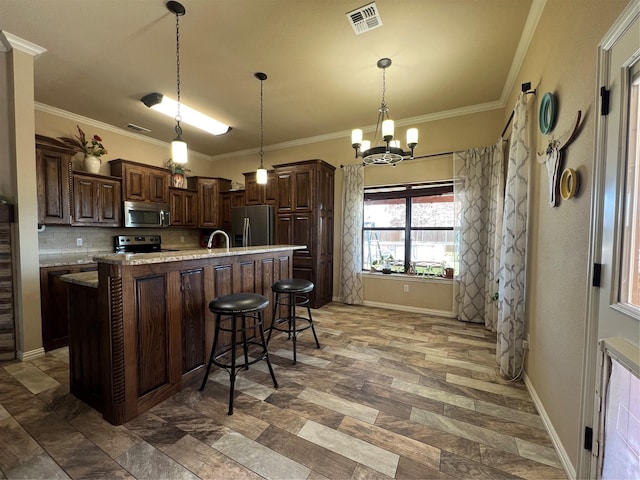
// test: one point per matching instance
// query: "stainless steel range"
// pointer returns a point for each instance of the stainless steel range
(137, 243)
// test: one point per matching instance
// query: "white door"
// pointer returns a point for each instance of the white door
(614, 307)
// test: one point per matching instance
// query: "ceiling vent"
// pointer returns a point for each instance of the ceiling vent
(365, 18)
(137, 128)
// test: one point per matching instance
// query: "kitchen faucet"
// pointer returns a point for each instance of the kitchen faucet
(214, 234)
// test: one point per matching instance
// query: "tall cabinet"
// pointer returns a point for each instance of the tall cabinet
(304, 216)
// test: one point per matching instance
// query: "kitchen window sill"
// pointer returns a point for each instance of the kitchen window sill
(403, 277)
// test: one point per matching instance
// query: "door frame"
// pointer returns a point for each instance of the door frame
(590, 365)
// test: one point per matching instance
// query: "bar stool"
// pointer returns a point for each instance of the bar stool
(228, 309)
(296, 294)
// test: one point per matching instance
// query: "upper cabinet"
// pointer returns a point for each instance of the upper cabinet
(256, 194)
(209, 190)
(97, 200)
(183, 205)
(228, 200)
(53, 175)
(140, 182)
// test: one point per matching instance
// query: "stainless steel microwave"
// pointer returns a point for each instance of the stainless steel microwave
(146, 215)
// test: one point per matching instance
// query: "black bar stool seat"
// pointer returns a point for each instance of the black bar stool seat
(228, 309)
(292, 293)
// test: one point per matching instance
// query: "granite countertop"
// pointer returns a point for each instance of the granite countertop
(62, 259)
(86, 279)
(183, 255)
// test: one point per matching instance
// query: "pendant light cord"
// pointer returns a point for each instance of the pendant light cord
(261, 123)
(178, 116)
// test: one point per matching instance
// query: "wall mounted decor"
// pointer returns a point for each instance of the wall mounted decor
(547, 114)
(552, 156)
(569, 183)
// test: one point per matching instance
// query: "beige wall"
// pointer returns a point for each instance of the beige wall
(562, 60)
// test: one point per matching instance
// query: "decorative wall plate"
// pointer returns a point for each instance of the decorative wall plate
(547, 115)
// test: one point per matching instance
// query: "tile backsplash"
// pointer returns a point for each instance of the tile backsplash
(63, 239)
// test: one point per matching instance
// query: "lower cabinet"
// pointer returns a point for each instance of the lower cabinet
(53, 304)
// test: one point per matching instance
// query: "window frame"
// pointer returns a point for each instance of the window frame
(406, 192)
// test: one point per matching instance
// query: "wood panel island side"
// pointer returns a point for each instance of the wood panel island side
(140, 328)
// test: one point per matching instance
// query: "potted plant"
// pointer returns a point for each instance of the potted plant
(178, 171)
(92, 149)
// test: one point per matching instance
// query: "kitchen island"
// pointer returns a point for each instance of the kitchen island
(140, 329)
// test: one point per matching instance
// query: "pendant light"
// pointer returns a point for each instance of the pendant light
(261, 173)
(178, 145)
(390, 153)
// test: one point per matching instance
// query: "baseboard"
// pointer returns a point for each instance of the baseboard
(406, 308)
(562, 453)
(30, 355)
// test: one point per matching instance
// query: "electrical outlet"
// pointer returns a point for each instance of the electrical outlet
(406, 289)
(78, 242)
(528, 340)
(181, 239)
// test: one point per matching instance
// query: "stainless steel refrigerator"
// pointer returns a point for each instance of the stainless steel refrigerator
(252, 225)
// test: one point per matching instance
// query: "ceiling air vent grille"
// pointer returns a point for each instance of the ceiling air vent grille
(137, 128)
(365, 18)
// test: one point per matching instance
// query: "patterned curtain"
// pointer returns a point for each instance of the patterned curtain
(352, 213)
(479, 189)
(511, 294)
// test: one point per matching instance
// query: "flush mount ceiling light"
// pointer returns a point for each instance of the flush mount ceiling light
(390, 153)
(261, 173)
(168, 106)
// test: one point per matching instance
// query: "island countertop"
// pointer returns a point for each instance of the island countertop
(182, 255)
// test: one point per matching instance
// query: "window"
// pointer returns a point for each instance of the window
(629, 287)
(409, 228)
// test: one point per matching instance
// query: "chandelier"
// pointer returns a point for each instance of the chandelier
(390, 153)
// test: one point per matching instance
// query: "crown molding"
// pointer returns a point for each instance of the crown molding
(9, 41)
(109, 128)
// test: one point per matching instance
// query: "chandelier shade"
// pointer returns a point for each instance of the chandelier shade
(389, 153)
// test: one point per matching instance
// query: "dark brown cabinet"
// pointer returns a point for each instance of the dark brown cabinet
(228, 200)
(256, 194)
(53, 304)
(183, 205)
(140, 182)
(209, 189)
(304, 216)
(53, 178)
(97, 200)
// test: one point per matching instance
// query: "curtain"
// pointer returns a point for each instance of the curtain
(511, 292)
(479, 190)
(352, 214)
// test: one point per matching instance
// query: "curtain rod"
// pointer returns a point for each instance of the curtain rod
(526, 89)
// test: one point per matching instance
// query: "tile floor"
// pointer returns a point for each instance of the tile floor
(389, 395)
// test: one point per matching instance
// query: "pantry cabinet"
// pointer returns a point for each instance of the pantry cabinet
(304, 216)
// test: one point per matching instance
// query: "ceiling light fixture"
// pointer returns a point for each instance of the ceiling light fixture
(261, 173)
(178, 146)
(390, 153)
(168, 106)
